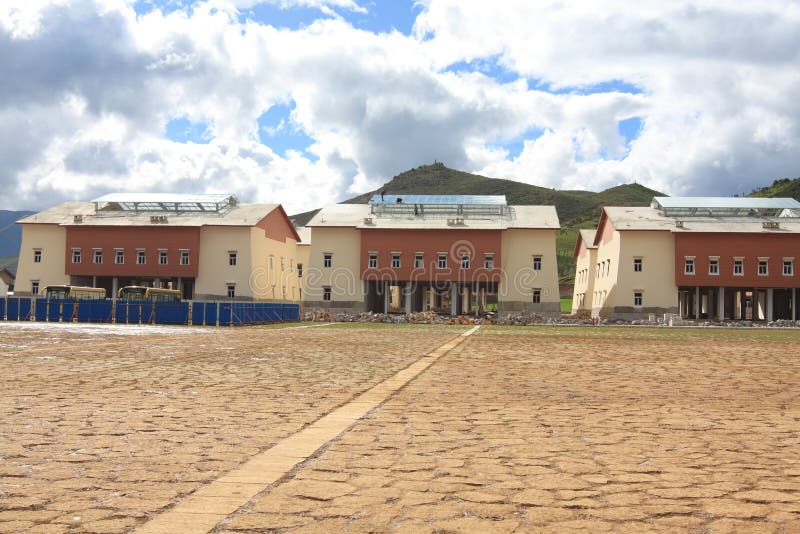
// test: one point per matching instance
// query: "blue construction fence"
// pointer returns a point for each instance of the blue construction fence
(198, 313)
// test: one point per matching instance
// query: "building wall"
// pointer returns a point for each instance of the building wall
(605, 269)
(152, 239)
(215, 272)
(386, 242)
(584, 278)
(728, 246)
(519, 279)
(656, 279)
(343, 277)
(51, 239)
(303, 258)
(274, 266)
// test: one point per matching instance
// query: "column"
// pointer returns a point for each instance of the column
(386, 297)
(769, 304)
(114, 288)
(94, 281)
(454, 296)
(697, 302)
(721, 303)
(794, 304)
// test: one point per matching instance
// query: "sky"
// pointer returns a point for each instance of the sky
(308, 102)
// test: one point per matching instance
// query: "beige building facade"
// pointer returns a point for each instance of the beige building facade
(451, 254)
(697, 257)
(210, 247)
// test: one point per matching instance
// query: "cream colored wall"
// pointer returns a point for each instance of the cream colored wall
(605, 278)
(3, 288)
(344, 277)
(276, 280)
(584, 283)
(214, 272)
(52, 239)
(303, 257)
(518, 248)
(657, 279)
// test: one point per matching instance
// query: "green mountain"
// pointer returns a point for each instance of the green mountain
(576, 209)
(785, 187)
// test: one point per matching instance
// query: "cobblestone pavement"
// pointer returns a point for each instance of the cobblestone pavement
(546, 429)
(103, 427)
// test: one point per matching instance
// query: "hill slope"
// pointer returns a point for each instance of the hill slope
(10, 237)
(785, 187)
(576, 209)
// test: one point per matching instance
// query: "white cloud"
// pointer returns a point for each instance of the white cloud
(84, 112)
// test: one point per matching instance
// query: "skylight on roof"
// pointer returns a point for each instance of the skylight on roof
(165, 202)
(724, 206)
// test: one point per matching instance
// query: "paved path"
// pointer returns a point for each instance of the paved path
(206, 507)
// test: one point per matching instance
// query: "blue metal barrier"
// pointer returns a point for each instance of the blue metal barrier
(40, 313)
(290, 312)
(171, 313)
(212, 310)
(3, 308)
(224, 313)
(94, 311)
(25, 309)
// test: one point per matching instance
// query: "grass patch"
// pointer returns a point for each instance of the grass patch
(566, 304)
(773, 335)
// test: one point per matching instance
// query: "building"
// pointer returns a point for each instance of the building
(208, 246)
(6, 282)
(700, 257)
(454, 254)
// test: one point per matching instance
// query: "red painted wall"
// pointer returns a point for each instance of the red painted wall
(431, 243)
(776, 246)
(109, 238)
(277, 226)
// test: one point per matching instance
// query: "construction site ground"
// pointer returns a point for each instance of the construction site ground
(515, 429)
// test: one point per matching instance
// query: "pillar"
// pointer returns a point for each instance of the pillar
(794, 304)
(769, 304)
(114, 288)
(94, 281)
(721, 303)
(386, 297)
(697, 302)
(454, 296)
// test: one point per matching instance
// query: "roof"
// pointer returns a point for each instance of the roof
(588, 237)
(494, 200)
(305, 235)
(354, 215)
(65, 215)
(638, 218)
(723, 206)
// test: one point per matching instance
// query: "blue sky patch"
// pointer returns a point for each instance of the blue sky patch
(516, 144)
(182, 130)
(277, 130)
(383, 16)
(489, 66)
(611, 86)
(630, 128)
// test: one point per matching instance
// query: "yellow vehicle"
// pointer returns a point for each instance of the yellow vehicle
(74, 293)
(149, 294)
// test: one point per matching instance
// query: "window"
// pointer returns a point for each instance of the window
(537, 263)
(488, 261)
(37, 256)
(441, 263)
(327, 260)
(637, 298)
(637, 265)
(373, 261)
(688, 266)
(713, 266)
(326, 293)
(76, 255)
(299, 270)
(763, 267)
(163, 259)
(395, 261)
(98, 256)
(231, 291)
(119, 257)
(738, 267)
(232, 258)
(537, 295)
(34, 287)
(141, 259)
(788, 267)
(419, 261)
(465, 261)
(184, 257)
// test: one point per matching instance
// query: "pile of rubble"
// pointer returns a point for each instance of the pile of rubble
(317, 316)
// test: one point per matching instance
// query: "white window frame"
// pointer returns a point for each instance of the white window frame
(713, 265)
(488, 261)
(638, 265)
(738, 262)
(441, 261)
(76, 255)
(790, 263)
(396, 261)
(763, 262)
(141, 256)
(326, 293)
(119, 256)
(299, 270)
(163, 257)
(419, 260)
(97, 256)
(372, 260)
(687, 261)
(35, 283)
(37, 255)
(537, 262)
(231, 290)
(536, 295)
(465, 261)
(185, 257)
(327, 260)
(638, 294)
(233, 258)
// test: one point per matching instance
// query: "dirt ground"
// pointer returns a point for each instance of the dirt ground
(517, 429)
